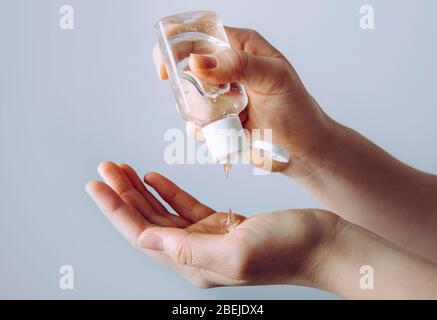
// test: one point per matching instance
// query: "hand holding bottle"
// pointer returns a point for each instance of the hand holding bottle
(277, 98)
(349, 174)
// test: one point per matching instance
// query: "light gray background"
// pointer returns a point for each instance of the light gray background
(69, 99)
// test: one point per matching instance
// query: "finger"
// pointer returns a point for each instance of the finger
(244, 116)
(141, 188)
(150, 198)
(183, 203)
(211, 252)
(263, 74)
(116, 179)
(194, 132)
(159, 63)
(180, 52)
(243, 39)
(246, 40)
(128, 221)
(182, 48)
(251, 42)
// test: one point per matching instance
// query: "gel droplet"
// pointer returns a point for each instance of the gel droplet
(231, 222)
(227, 168)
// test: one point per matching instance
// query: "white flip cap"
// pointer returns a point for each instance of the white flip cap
(272, 151)
(225, 139)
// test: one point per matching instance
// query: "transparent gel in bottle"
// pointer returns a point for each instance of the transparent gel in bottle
(214, 108)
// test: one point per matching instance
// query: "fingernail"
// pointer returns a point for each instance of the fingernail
(203, 61)
(152, 242)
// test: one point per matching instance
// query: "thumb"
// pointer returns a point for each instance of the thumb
(263, 74)
(205, 251)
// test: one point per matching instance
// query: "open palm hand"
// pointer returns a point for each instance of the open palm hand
(271, 248)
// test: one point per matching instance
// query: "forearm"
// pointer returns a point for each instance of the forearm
(360, 265)
(365, 185)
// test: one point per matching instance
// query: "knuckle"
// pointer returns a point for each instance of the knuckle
(232, 64)
(240, 62)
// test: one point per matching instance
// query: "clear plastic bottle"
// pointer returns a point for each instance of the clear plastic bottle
(214, 108)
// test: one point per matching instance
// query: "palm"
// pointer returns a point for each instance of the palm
(216, 223)
(241, 255)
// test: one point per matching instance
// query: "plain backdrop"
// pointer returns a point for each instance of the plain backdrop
(69, 99)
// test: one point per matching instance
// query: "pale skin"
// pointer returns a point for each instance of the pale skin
(350, 175)
(346, 172)
(302, 247)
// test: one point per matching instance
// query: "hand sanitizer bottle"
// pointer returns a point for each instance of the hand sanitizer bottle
(214, 108)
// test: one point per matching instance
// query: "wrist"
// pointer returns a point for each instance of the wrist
(317, 153)
(330, 259)
(335, 263)
(362, 265)
(316, 265)
(350, 249)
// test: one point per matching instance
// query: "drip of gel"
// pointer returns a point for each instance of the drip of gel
(230, 222)
(227, 168)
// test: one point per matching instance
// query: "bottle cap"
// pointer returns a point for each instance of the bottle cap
(272, 151)
(225, 139)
